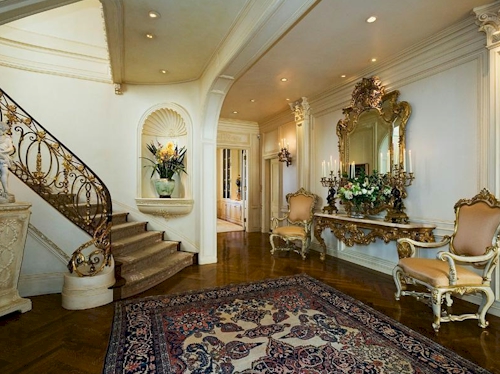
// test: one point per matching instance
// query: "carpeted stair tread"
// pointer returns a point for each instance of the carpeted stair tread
(142, 257)
(139, 281)
(135, 242)
(127, 229)
(149, 254)
(119, 217)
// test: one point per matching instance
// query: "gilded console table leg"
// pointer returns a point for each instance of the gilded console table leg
(320, 225)
(14, 219)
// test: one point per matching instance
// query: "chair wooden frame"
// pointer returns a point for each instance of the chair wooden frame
(298, 223)
(447, 275)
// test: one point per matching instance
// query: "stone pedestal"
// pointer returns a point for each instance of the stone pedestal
(88, 292)
(14, 219)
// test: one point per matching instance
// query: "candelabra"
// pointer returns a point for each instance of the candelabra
(398, 180)
(285, 156)
(333, 183)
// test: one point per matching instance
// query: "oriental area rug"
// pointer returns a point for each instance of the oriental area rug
(288, 325)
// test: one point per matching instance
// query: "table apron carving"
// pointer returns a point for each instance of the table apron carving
(365, 231)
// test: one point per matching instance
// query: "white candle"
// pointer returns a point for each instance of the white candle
(331, 163)
(380, 163)
(335, 168)
(328, 167)
(279, 145)
(323, 173)
(404, 160)
(409, 161)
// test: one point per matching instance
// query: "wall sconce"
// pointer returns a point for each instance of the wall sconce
(284, 154)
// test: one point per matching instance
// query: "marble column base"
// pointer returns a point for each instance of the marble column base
(88, 292)
(14, 220)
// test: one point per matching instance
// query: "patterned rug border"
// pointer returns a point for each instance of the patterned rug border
(359, 311)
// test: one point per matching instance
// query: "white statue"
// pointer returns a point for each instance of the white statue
(6, 150)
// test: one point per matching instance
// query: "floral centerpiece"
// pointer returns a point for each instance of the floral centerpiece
(168, 160)
(363, 193)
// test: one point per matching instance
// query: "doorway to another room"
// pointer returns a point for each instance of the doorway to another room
(231, 189)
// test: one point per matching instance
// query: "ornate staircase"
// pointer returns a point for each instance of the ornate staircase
(142, 258)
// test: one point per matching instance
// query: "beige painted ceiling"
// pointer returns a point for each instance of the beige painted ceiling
(330, 39)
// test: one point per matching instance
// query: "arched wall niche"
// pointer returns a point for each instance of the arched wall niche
(163, 123)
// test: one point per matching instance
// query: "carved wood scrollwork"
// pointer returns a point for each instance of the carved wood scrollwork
(364, 231)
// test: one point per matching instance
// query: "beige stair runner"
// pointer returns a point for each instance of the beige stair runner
(143, 258)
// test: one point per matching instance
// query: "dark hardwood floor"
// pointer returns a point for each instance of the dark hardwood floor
(50, 339)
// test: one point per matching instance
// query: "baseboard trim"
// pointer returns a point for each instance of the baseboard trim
(40, 284)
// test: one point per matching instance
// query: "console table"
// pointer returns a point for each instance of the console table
(365, 231)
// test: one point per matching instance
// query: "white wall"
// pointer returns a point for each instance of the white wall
(444, 82)
(100, 128)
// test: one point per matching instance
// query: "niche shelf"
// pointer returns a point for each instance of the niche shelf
(165, 207)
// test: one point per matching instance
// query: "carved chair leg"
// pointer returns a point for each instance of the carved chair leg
(437, 299)
(396, 274)
(486, 302)
(449, 300)
(303, 250)
(271, 239)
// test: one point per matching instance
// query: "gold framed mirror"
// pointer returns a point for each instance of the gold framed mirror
(372, 134)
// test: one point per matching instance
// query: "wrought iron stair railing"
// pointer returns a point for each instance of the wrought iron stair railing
(63, 180)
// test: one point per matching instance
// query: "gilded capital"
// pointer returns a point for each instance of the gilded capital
(488, 20)
(300, 109)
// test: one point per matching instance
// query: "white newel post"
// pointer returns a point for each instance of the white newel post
(14, 220)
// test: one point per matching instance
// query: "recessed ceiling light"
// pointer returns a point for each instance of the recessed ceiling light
(235, 112)
(342, 76)
(284, 79)
(371, 19)
(149, 36)
(153, 14)
(252, 100)
(163, 71)
(287, 99)
(374, 59)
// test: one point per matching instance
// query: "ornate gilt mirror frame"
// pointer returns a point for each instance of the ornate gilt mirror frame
(370, 103)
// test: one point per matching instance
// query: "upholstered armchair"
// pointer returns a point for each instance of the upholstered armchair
(298, 222)
(465, 268)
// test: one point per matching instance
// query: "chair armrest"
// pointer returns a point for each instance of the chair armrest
(491, 253)
(487, 260)
(407, 246)
(276, 220)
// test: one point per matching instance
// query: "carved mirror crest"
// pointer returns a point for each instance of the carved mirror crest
(372, 142)
(373, 130)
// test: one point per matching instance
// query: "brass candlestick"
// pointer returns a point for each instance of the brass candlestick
(399, 179)
(333, 183)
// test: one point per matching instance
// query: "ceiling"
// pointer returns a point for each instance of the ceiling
(330, 39)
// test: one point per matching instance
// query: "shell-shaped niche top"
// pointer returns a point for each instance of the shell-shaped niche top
(164, 122)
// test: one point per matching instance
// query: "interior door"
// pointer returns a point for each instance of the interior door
(244, 192)
(275, 187)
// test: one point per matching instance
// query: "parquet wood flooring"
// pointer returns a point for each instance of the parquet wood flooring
(50, 339)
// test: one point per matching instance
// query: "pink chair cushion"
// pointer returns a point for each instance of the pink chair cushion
(285, 231)
(476, 225)
(300, 208)
(435, 272)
